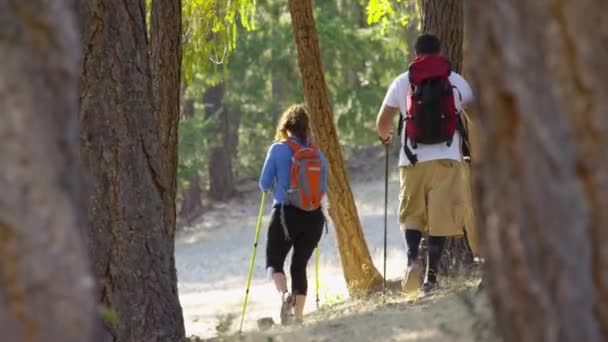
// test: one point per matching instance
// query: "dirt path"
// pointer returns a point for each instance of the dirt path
(460, 314)
(213, 259)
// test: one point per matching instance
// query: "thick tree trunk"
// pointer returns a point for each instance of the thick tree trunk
(46, 288)
(165, 63)
(221, 175)
(130, 240)
(445, 19)
(359, 271)
(542, 184)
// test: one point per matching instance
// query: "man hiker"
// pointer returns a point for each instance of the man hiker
(429, 97)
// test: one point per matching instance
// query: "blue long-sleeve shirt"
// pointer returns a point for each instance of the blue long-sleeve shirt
(277, 168)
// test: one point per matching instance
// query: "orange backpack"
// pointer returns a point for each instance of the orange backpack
(305, 185)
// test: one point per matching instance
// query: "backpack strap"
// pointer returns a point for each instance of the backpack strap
(408, 153)
(402, 118)
(295, 147)
(464, 134)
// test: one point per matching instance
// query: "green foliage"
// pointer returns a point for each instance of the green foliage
(262, 78)
(108, 316)
(224, 324)
(392, 14)
(195, 137)
(378, 11)
(210, 31)
(333, 299)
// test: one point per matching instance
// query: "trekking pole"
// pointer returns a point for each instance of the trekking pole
(317, 273)
(385, 213)
(255, 245)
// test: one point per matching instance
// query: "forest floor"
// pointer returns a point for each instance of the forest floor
(213, 256)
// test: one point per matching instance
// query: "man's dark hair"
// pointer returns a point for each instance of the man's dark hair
(427, 44)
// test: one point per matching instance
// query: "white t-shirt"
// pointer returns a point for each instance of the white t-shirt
(396, 97)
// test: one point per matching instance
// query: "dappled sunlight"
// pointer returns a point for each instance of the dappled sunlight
(420, 336)
(212, 263)
(440, 317)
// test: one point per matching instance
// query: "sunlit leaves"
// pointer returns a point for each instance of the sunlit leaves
(378, 11)
(392, 13)
(210, 32)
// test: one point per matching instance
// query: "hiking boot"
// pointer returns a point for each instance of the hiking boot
(288, 303)
(413, 275)
(428, 287)
(430, 283)
(265, 323)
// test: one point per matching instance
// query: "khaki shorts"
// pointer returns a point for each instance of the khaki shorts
(432, 198)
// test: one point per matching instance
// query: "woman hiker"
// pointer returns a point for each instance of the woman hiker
(295, 171)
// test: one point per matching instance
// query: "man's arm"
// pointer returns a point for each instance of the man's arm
(464, 89)
(390, 107)
(384, 122)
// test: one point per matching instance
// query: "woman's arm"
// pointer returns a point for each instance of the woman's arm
(269, 170)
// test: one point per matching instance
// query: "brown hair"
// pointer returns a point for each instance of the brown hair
(294, 122)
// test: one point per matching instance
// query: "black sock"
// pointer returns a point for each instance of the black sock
(412, 240)
(435, 247)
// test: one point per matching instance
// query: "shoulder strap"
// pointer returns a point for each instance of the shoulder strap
(295, 147)
(313, 147)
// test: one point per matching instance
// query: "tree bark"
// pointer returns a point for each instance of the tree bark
(130, 240)
(542, 181)
(445, 19)
(359, 271)
(221, 175)
(165, 63)
(46, 287)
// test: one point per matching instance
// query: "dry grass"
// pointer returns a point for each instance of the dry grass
(457, 313)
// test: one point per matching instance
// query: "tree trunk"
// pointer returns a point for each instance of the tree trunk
(542, 180)
(445, 19)
(192, 205)
(130, 239)
(165, 63)
(221, 176)
(359, 271)
(46, 288)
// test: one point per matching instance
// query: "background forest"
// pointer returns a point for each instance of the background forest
(229, 110)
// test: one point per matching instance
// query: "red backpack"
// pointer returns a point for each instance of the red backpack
(431, 116)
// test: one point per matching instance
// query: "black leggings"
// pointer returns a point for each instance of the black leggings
(305, 230)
